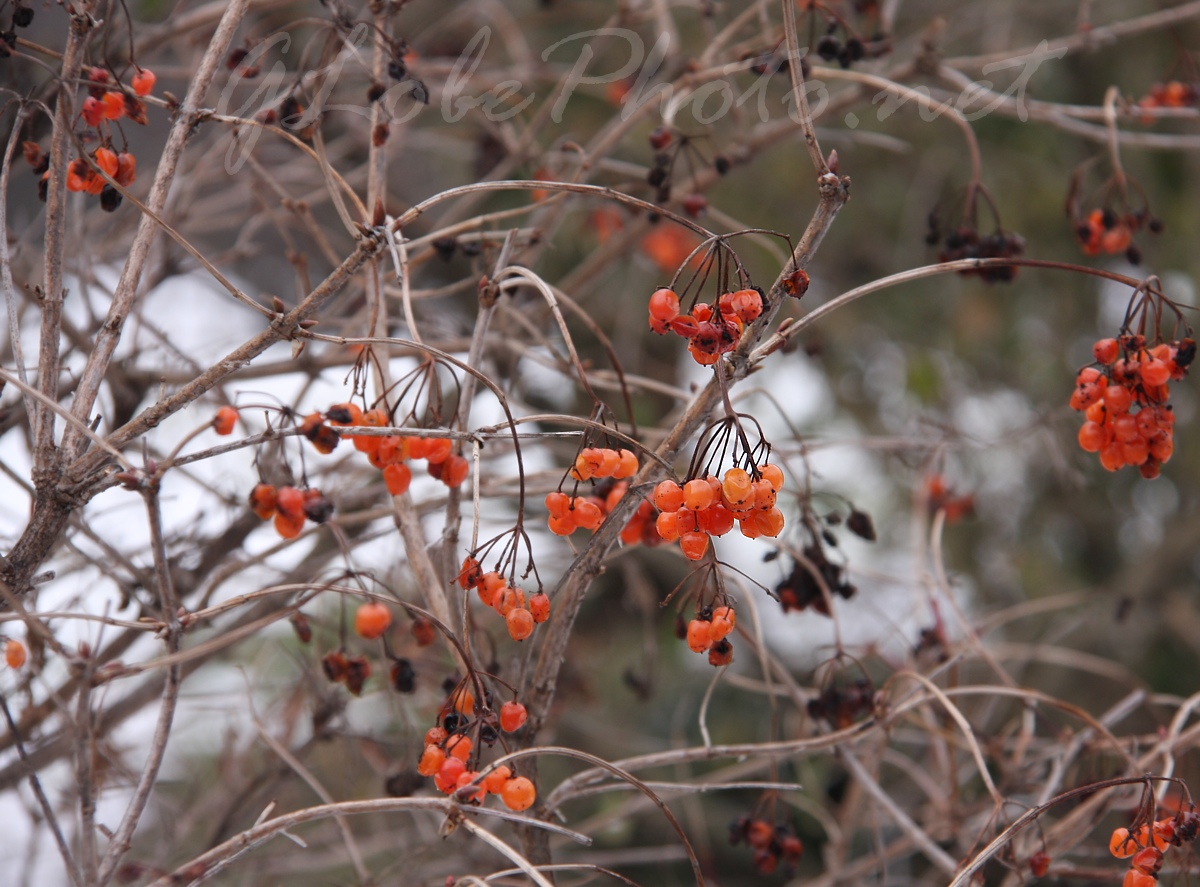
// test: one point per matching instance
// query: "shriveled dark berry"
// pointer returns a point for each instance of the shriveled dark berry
(110, 199)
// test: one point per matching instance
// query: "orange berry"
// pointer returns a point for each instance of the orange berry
(720, 653)
(289, 501)
(459, 745)
(519, 622)
(1148, 860)
(446, 778)
(1155, 372)
(507, 599)
(557, 503)
(371, 620)
(737, 486)
(628, 465)
(764, 494)
(1135, 878)
(471, 573)
(512, 716)
(693, 544)
(716, 520)
(769, 523)
(588, 513)
(435, 735)
(14, 653)
(143, 82)
(344, 414)
(454, 471)
(610, 461)
(539, 607)
(723, 622)
(431, 760)
(773, 475)
(1121, 845)
(1105, 351)
(467, 793)
(1092, 437)
(106, 160)
(464, 701)
(438, 449)
(113, 105)
(562, 526)
(488, 585)
(667, 525)
(697, 495)
(494, 781)
(518, 794)
(262, 500)
(668, 496)
(1117, 398)
(288, 527)
(685, 520)
(664, 306)
(397, 477)
(699, 635)
(126, 169)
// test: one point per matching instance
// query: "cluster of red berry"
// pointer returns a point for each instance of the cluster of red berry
(520, 615)
(387, 452)
(446, 757)
(709, 631)
(1131, 376)
(108, 100)
(290, 506)
(1109, 232)
(1144, 848)
(1173, 94)
(770, 843)
(710, 506)
(710, 333)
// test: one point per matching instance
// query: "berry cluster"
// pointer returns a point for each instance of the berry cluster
(710, 506)
(965, 242)
(108, 100)
(1173, 94)
(447, 755)
(1106, 231)
(83, 176)
(1144, 848)
(709, 333)
(520, 615)
(708, 633)
(842, 706)
(770, 844)
(352, 671)
(597, 463)
(390, 452)
(290, 506)
(451, 776)
(801, 589)
(1127, 418)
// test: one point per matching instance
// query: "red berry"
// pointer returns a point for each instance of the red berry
(512, 716)
(1105, 351)
(518, 794)
(371, 620)
(519, 622)
(668, 496)
(539, 607)
(397, 478)
(226, 416)
(664, 305)
(14, 653)
(93, 111)
(143, 82)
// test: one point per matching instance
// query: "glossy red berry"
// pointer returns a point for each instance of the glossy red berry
(512, 716)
